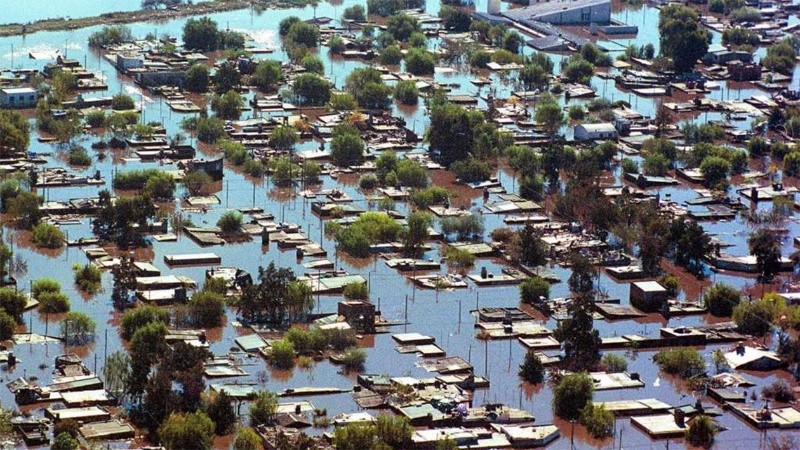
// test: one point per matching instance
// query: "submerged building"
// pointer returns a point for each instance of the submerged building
(571, 12)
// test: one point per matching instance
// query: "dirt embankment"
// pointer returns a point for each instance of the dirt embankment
(14, 29)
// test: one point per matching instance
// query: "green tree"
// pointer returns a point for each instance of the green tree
(24, 208)
(715, 171)
(614, 363)
(417, 234)
(402, 26)
(197, 79)
(227, 78)
(53, 302)
(701, 431)
(247, 439)
(78, 328)
(756, 317)
(220, 410)
(182, 431)
(311, 90)
(122, 102)
(356, 291)
(228, 106)
(598, 420)
(684, 362)
(116, 372)
(207, 309)
(534, 289)
(572, 394)
(406, 92)
(720, 299)
(47, 235)
(532, 369)
(683, 37)
(7, 326)
(282, 354)
(283, 138)
(550, 115)
(347, 148)
(267, 74)
(765, 245)
(391, 55)
(230, 222)
(368, 88)
(419, 62)
(13, 303)
(304, 33)
(14, 132)
(355, 13)
(65, 441)
(200, 34)
(264, 408)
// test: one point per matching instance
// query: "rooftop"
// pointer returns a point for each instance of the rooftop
(545, 8)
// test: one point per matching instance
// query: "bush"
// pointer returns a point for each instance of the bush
(356, 291)
(419, 62)
(64, 441)
(629, 166)
(614, 363)
(78, 328)
(87, 277)
(533, 289)
(197, 182)
(434, 195)
(721, 299)
(136, 318)
(406, 92)
(701, 431)
(391, 55)
(531, 369)
(282, 354)
(230, 222)
(46, 235)
(207, 309)
(572, 394)
(79, 157)
(598, 420)
(354, 358)
(368, 181)
(7, 326)
(684, 362)
(347, 148)
(43, 285)
(13, 302)
(671, 284)
(122, 102)
(780, 391)
(471, 170)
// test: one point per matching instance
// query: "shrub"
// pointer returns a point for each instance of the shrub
(406, 92)
(572, 394)
(282, 354)
(197, 182)
(7, 326)
(13, 302)
(78, 156)
(78, 328)
(47, 236)
(471, 170)
(701, 431)
(531, 369)
(122, 102)
(721, 299)
(87, 277)
(614, 363)
(43, 285)
(780, 391)
(64, 441)
(356, 291)
(684, 362)
(598, 420)
(230, 222)
(670, 283)
(419, 62)
(354, 358)
(368, 181)
(207, 309)
(434, 195)
(533, 289)
(53, 302)
(629, 166)
(391, 55)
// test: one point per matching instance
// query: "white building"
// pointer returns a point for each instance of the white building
(24, 97)
(571, 12)
(595, 131)
(128, 62)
